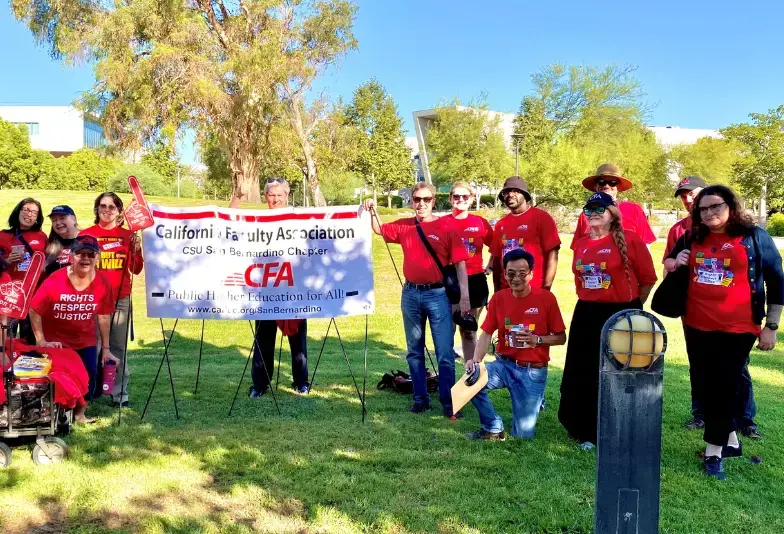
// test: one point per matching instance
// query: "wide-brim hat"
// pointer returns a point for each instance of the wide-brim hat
(606, 171)
(690, 183)
(515, 182)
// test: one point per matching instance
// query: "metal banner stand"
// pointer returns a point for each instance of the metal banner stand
(165, 357)
(361, 395)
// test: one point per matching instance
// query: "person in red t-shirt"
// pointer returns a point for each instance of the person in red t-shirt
(121, 256)
(529, 322)
(424, 296)
(613, 271)
(687, 190)
(63, 312)
(610, 180)
(731, 262)
(528, 227)
(475, 232)
(17, 245)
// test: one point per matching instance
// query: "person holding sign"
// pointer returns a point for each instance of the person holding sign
(428, 244)
(17, 246)
(121, 257)
(731, 263)
(64, 310)
(613, 271)
(529, 322)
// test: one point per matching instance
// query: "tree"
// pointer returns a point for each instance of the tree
(148, 178)
(709, 158)
(228, 70)
(759, 169)
(88, 170)
(15, 156)
(383, 159)
(466, 144)
(162, 158)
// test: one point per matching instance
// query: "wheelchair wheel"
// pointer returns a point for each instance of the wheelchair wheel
(52, 451)
(5, 455)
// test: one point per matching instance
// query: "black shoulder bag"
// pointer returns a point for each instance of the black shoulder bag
(671, 295)
(448, 272)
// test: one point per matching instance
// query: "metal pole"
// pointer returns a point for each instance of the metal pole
(517, 157)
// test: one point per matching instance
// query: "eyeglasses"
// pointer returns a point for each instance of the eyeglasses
(598, 210)
(86, 254)
(611, 183)
(713, 208)
(511, 275)
(107, 207)
(461, 197)
(28, 211)
(426, 200)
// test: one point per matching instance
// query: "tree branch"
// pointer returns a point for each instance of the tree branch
(209, 12)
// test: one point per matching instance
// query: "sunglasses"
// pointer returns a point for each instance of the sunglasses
(86, 254)
(461, 197)
(107, 207)
(508, 192)
(426, 200)
(276, 180)
(598, 210)
(611, 183)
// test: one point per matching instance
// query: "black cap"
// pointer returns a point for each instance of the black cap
(62, 210)
(515, 182)
(690, 183)
(466, 322)
(85, 242)
(600, 199)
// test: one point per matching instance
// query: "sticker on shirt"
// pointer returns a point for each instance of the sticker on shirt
(112, 254)
(594, 275)
(508, 245)
(468, 242)
(511, 330)
(713, 271)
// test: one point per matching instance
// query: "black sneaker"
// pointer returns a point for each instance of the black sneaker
(254, 394)
(419, 407)
(714, 467)
(487, 436)
(304, 389)
(452, 416)
(732, 452)
(696, 423)
(751, 432)
(543, 405)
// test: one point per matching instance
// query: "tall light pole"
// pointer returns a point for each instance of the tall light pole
(517, 138)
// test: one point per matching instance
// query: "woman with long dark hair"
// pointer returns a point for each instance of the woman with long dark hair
(613, 271)
(121, 257)
(731, 263)
(61, 238)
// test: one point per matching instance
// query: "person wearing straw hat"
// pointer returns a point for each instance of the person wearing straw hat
(609, 179)
(528, 227)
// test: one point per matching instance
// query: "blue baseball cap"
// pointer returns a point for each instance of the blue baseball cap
(85, 242)
(62, 210)
(600, 199)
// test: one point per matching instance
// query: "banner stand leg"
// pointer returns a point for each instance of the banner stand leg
(198, 367)
(280, 353)
(266, 372)
(364, 373)
(165, 358)
(351, 372)
(318, 360)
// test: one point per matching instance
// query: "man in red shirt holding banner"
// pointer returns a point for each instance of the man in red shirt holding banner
(529, 322)
(424, 295)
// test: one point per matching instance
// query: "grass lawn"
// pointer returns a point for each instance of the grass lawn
(316, 468)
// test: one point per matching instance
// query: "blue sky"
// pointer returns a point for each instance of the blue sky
(702, 64)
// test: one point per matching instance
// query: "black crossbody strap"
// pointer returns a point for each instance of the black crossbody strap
(25, 243)
(429, 247)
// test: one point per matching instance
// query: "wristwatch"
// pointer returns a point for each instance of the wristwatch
(538, 340)
(772, 326)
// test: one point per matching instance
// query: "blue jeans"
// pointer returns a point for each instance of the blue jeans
(526, 388)
(431, 305)
(89, 356)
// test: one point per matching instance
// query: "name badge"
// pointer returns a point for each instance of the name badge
(711, 278)
(591, 281)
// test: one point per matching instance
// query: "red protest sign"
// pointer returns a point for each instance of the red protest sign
(138, 213)
(15, 296)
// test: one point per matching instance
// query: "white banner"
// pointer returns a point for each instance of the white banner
(217, 263)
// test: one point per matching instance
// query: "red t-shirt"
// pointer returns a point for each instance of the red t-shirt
(538, 312)
(418, 265)
(35, 238)
(719, 292)
(534, 230)
(675, 233)
(599, 273)
(68, 315)
(114, 262)
(632, 218)
(474, 231)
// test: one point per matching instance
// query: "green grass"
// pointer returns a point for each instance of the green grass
(316, 468)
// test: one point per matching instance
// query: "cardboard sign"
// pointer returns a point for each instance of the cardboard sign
(138, 213)
(15, 296)
(461, 393)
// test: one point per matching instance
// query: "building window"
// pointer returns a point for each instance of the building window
(32, 127)
(93, 135)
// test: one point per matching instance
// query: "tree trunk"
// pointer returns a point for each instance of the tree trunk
(296, 118)
(389, 199)
(763, 210)
(245, 177)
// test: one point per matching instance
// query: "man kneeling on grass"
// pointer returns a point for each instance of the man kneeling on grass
(528, 321)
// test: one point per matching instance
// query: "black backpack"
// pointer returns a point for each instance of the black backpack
(400, 382)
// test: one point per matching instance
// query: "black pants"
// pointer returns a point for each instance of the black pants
(264, 354)
(717, 360)
(579, 408)
(745, 391)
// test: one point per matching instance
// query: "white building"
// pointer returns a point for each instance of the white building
(668, 136)
(60, 130)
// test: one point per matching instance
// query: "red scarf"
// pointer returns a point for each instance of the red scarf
(289, 327)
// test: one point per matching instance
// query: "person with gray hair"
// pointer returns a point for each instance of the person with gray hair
(276, 192)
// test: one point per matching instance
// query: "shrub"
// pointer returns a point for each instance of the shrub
(151, 182)
(776, 225)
